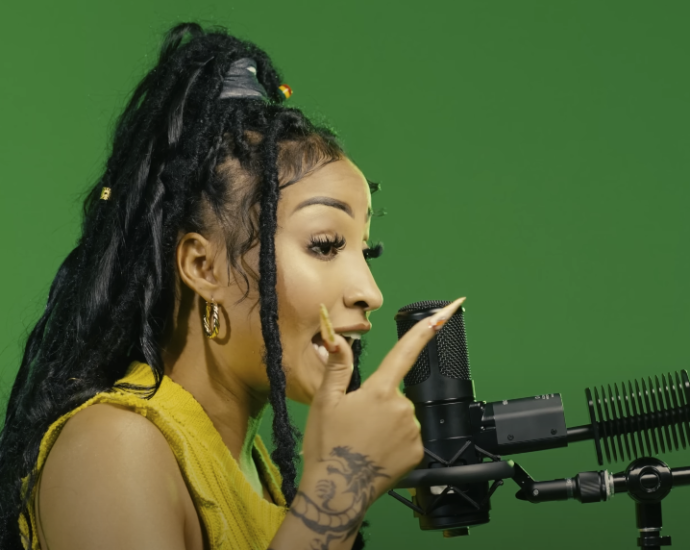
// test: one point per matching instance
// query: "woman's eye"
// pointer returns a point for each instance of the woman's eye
(327, 247)
(324, 249)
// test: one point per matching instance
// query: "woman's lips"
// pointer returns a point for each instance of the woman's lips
(317, 342)
(350, 333)
(358, 328)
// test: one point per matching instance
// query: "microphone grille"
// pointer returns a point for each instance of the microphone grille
(421, 370)
(452, 349)
(423, 306)
(451, 342)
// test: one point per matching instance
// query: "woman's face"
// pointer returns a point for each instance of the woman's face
(323, 229)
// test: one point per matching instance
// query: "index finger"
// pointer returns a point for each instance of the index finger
(400, 359)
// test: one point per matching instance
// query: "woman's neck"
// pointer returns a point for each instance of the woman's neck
(220, 378)
(235, 409)
(235, 414)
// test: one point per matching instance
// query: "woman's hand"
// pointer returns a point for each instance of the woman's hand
(370, 435)
(357, 444)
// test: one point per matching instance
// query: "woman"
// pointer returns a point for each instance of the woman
(222, 266)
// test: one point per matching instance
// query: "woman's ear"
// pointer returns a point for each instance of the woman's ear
(199, 265)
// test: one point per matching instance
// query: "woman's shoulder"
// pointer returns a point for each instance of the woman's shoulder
(111, 467)
(104, 442)
(106, 431)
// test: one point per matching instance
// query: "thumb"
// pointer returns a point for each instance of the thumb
(339, 367)
(338, 360)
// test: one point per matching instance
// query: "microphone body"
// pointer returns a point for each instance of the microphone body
(458, 430)
(441, 388)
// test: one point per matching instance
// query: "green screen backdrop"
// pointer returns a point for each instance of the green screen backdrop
(533, 156)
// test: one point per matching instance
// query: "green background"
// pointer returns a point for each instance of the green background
(533, 156)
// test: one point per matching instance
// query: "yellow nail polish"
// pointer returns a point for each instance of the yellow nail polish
(437, 324)
(326, 325)
(437, 321)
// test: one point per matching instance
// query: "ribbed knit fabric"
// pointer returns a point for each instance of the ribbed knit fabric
(234, 516)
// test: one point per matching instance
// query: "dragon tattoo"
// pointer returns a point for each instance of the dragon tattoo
(357, 474)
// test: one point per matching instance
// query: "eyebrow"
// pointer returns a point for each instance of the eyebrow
(329, 201)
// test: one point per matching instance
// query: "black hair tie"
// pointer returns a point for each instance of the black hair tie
(241, 82)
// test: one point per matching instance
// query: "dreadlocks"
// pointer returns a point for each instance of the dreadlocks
(113, 297)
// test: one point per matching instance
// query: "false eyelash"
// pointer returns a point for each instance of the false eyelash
(379, 213)
(326, 244)
(373, 251)
(374, 186)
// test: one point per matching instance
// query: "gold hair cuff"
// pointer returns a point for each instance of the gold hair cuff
(105, 194)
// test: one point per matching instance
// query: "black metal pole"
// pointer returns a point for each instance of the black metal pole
(648, 516)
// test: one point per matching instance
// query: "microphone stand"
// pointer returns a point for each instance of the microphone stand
(646, 480)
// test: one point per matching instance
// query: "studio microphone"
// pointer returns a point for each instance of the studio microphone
(459, 431)
(464, 439)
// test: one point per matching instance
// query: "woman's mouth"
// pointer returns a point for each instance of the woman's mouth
(317, 342)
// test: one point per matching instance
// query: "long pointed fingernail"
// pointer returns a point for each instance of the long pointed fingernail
(327, 332)
(439, 319)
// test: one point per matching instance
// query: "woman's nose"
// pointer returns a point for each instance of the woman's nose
(361, 289)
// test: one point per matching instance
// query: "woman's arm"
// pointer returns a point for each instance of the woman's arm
(111, 481)
(358, 444)
(316, 521)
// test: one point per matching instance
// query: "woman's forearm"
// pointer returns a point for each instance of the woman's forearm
(330, 505)
(296, 534)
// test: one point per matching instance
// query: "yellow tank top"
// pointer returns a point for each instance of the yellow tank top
(232, 513)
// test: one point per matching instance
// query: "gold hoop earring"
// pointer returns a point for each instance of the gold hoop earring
(211, 320)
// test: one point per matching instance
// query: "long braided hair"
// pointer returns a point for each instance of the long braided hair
(112, 299)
